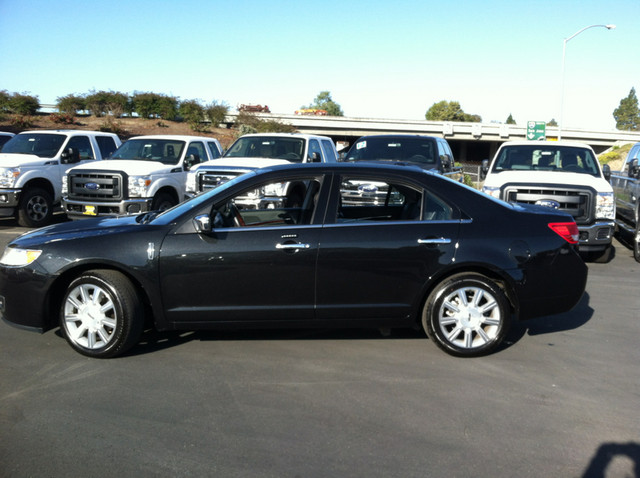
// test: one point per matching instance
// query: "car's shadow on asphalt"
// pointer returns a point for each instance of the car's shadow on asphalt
(153, 341)
(550, 324)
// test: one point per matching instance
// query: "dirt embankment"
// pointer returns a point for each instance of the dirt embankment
(124, 127)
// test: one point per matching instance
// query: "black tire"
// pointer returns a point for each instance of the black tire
(467, 315)
(163, 201)
(602, 257)
(636, 243)
(101, 315)
(35, 208)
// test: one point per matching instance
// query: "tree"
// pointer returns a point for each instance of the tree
(216, 112)
(71, 104)
(450, 111)
(193, 113)
(510, 120)
(324, 102)
(627, 115)
(23, 104)
(553, 122)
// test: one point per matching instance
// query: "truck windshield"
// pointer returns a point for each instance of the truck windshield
(166, 151)
(415, 150)
(42, 145)
(291, 149)
(546, 158)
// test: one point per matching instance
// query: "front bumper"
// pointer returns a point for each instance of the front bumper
(85, 209)
(9, 198)
(596, 236)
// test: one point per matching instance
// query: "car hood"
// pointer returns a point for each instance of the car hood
(80, 229)
(131, 166)
(245, 163)
(13, 160)
(546, 177)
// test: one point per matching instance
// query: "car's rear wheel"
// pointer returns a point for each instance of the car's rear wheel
(101, 315)
(467, 315)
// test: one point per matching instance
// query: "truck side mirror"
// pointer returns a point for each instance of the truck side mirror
(634, 171)
(484, 169)
(315, 158)
(606, 172)
(69, 156)
(190, 160)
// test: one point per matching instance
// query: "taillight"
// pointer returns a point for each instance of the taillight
(567, 230)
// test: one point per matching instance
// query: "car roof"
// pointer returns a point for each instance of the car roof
(283, 135)
(180, 137)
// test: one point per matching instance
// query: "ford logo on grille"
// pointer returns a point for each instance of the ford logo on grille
(548, 203)
(92, 186)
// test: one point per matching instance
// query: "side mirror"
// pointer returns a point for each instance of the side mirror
(484, 168)
(606, 172)
(634, 171)
(315, 158)
(202, 224)
(190, 160)
(69, 156)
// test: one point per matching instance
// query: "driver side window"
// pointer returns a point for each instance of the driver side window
(272, 204)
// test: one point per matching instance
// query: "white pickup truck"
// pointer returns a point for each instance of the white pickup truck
(260, 150)
(559, 174)
(32, 165)
(146, 173)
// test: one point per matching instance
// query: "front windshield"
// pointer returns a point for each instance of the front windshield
(167, 151)
(572, 159)
(42, 145)
(274, 147)
(413, 149)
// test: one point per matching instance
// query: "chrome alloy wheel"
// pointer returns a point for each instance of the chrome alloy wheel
(469, 317)
(90, 316)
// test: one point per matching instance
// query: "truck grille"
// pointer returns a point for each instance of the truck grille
(96, 186)
(211, 179)
(577, 202)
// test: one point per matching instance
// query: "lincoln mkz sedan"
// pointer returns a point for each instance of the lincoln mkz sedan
(437, 254)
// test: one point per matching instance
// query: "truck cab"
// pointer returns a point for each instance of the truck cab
(146, 173)
(32, 165)
(562, 175)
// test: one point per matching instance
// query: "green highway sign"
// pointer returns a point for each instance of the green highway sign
(536, 130)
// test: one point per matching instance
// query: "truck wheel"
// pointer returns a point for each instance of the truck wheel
(636, 243)
(467, 315)
(35, 208)
(101, 315)
(602, 257)
(162, 201)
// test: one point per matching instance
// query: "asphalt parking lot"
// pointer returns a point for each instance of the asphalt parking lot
(561, 399)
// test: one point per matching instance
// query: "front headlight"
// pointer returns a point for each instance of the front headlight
(605, 206)
(138, 186)
(493, 192)
(16, 257)
(8, 177)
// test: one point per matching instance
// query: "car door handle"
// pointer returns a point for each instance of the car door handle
(435, 240)
(295, 246)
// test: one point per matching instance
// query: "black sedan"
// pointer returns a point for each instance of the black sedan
(435, 253)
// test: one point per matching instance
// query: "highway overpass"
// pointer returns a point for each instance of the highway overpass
(471, 142)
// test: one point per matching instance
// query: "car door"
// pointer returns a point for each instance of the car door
(386, 239)
(257, 264)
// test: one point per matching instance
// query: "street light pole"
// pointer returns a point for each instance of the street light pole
(564, 49)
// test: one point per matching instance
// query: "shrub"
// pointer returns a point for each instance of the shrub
(71, 104)
(22, 122)
(100, 103)
(23, 104)
(216, 112)
(62, 118)
(4, 101)
(193, 113)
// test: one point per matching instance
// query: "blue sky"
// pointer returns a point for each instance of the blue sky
(378, 59)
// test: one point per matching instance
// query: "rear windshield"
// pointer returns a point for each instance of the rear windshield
(572, 159)
(42, 145)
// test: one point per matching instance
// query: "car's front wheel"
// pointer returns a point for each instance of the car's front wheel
(35, 208)
(101, 315)
(467, 315)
